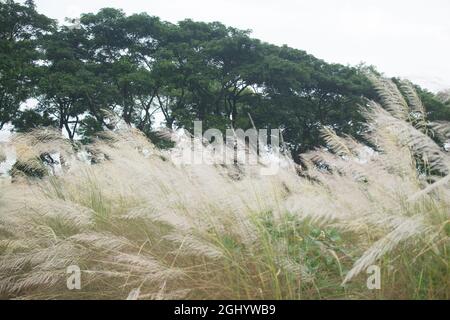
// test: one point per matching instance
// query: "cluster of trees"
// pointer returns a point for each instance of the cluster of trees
(137, 66)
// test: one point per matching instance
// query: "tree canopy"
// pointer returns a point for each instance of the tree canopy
(137, 66)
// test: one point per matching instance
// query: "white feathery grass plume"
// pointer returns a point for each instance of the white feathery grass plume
(149, 269)
(36, 142)
(409, 228)
(381, 121)
(134, 294)
(441, 129)
(440, 183)
(33, 280)
(391, 97)
(337, 144)
(104, 241)
(414, 102)
(418, 115)
(64, 211)
(189, 244)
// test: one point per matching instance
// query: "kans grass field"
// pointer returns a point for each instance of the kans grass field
(140, 225)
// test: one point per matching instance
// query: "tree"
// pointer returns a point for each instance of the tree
(31, 119)
(63, 85)
(21, 29)
(138, 65)
(124, 48)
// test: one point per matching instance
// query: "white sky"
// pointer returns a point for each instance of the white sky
(407, 38)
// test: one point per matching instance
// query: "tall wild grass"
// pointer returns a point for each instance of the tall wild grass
(141, 226)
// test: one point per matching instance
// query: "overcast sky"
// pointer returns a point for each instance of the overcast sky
(407, 38)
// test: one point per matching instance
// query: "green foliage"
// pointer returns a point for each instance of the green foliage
(20, 29)
(31, 119)
(160, 141)
(136, 66)
(89, 129)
